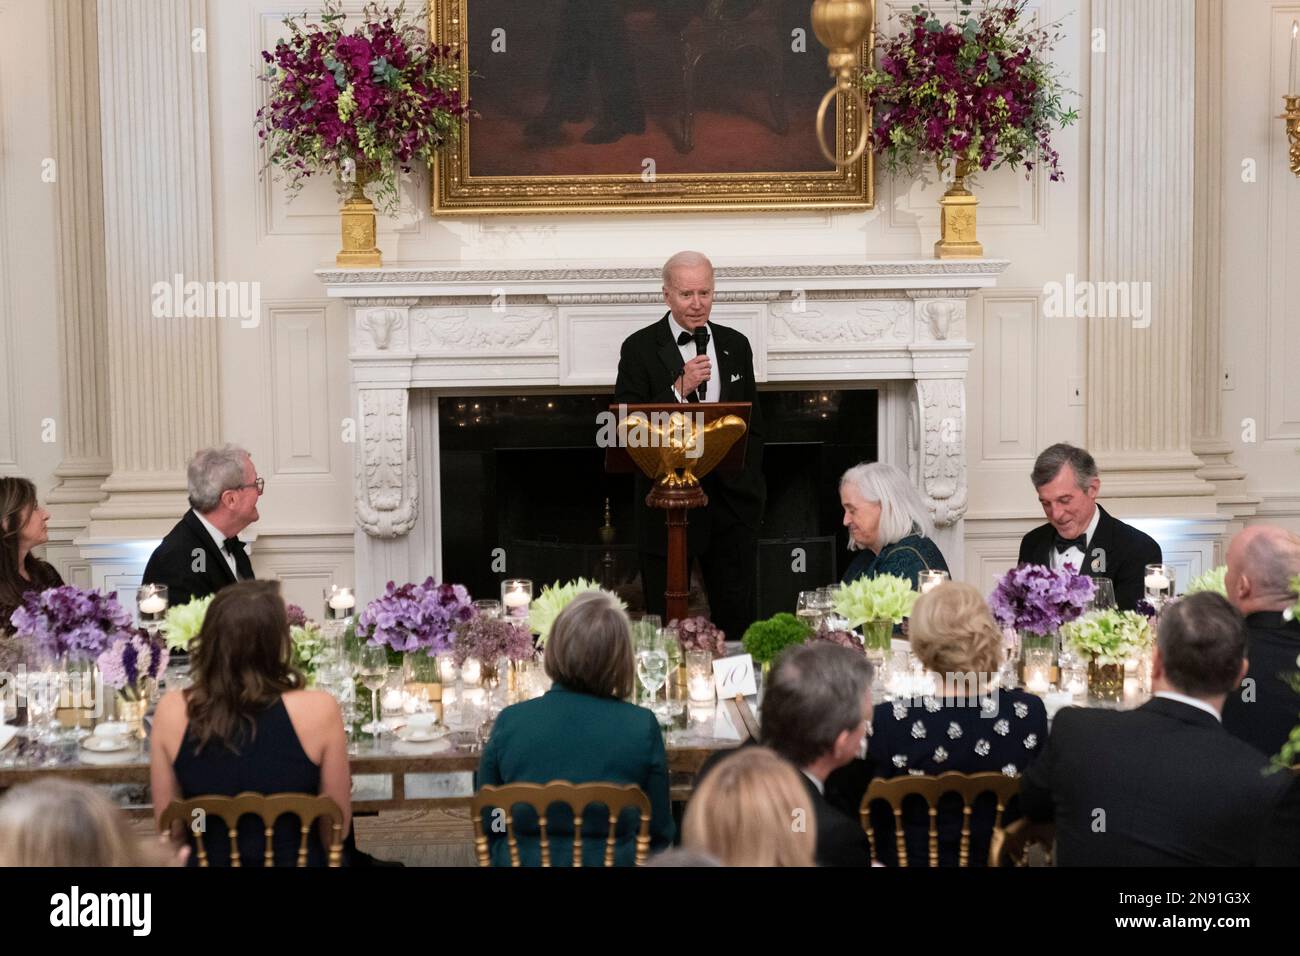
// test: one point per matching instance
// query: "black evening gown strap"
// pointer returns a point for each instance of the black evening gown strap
(270, 760)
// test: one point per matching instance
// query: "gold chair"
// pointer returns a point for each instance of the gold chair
(894, 792)
(1010, 845)
(269, 809)
(616, 797)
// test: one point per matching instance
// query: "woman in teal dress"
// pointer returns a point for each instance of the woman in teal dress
(583, 731)
(888, 524)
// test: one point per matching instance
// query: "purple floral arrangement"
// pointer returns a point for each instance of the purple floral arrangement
(297, 616)
(1146, 609)
(379, 95)
(981, 89)
(835, 636)
(70, 622)
(131, 660)
(490, 639)
(1034, 598)
(699, 634)
(416, 617)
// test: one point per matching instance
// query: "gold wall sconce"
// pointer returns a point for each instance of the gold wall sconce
(1291, 114)
(841, 26)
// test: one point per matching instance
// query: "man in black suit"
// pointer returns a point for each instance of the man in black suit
(1080, 532)
(1163, 785)
(203, 553)
(1262, 563)
(659, 364)
(816, 709)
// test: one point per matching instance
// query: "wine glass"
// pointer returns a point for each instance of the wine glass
(807, 609)
(651, 667)
(1103, 597)
(372, 668)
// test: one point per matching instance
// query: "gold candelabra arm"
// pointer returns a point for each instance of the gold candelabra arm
(1292, 117)
(841, 26)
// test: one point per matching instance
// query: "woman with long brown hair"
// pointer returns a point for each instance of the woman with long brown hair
(23, 526)
(246, 723)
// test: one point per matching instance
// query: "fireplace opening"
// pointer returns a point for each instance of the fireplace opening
(525, 494)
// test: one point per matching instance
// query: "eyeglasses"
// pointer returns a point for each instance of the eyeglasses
(259, 484)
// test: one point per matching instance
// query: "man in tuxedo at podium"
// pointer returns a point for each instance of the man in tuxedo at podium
(666, 362)
(203, 553)
(1079, 532)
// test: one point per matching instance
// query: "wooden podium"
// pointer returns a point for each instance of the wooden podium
(675, 445)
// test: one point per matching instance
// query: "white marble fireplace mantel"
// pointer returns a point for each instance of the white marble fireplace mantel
(499, 328)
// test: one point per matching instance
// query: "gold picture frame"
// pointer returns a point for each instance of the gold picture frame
(466, 183)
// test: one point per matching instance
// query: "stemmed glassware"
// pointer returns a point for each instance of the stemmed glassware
(651, 663)
(372, 668)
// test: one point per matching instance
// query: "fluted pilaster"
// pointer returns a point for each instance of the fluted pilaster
(82, 300)
(157, 173)
(1142, 116)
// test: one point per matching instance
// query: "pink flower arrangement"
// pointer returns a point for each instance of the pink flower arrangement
(834, 636)
(378, 96)
(490, 639)
(980, 89)
(699, 634)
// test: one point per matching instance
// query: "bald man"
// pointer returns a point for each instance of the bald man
(1262, 562)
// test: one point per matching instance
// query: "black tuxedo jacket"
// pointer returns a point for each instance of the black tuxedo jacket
(1163, 785)
(1117, 551)
(648, 364)
(1265, 715)
(176, 563)
(841, 841)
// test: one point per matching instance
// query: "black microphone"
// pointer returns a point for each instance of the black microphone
(702, 348)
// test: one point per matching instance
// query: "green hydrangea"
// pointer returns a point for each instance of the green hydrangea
(764, 640)
(1211, 580)
(1108, 637)
(885, 597)
(182, 623)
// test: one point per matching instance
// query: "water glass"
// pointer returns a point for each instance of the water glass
(1103, 596)
(1158, 580)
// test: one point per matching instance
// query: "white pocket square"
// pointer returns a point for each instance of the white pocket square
(736, 378)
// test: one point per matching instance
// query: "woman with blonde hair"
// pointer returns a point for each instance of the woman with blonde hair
(752, 810)
(582, 730)
(54, 822)
(968, 724)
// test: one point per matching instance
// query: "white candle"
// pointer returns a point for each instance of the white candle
(701, 687)
(516, 602)
(1293, 84)
(1036, 683)
(343, 601)
(392, 699)
(1130, 687)
(1156, 582)
(470, 671)
(154, 604)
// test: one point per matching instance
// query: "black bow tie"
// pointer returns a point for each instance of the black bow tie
(234, 547)
(1065, 544)
(685, 338)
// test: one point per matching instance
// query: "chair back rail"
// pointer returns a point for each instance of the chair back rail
(307, 807)
(969, 787)
(541, 797)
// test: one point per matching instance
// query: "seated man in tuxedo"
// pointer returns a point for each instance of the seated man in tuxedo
(1080, 532)
(1165, 784)
(203, 553)
(661, 363)
(1262, 563)
(816, 709)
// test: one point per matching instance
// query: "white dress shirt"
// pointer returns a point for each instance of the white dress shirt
(220, 540)
(1190, 702)
(1073, 555)
(713, 391)
(821, 787)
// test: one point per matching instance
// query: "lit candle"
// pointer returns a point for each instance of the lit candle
(1293, 84)
(701, 687)
(1130, 687)
(470, 671)
(1156, 582)
(154, 604)
(392, 699)
(929, 580)
(343, 600)
(1036, 682)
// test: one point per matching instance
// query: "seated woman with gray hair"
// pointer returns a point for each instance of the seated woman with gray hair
(888, 523)
(582, 730)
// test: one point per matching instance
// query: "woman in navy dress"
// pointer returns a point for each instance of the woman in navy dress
(888, 523)
(969, 726)
(247, 724)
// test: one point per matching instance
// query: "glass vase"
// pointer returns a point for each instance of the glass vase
(877, 640)
(1106, 681)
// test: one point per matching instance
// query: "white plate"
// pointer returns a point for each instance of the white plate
(112, 728)
(105, 745)
(421, 735)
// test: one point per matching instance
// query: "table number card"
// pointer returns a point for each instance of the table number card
(734, 675)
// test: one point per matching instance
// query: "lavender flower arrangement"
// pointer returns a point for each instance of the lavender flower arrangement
(297, 616)
(1034, 598)
(699, 634)
(132, 660)
(490, 639)
(71, 622)
(415, 617)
